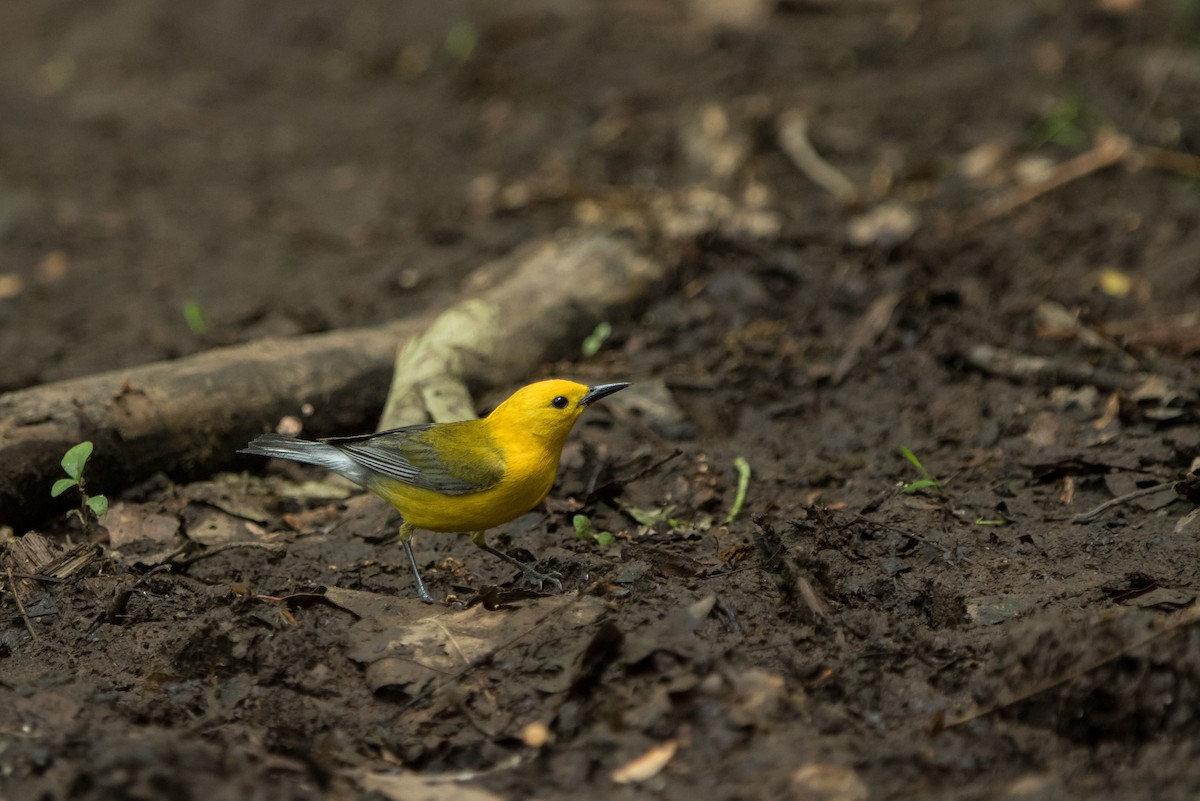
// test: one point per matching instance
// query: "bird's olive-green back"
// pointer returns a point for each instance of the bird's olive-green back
(449, 458)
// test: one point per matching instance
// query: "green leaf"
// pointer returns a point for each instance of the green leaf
(193, 315)
(998, 522)
(98, 504)
(461, 40)
(743, 471)
(912, 457)
(74, 459)
(605, 538)
(583, 526)
(927, 478)
(595, 340)
(61, 486)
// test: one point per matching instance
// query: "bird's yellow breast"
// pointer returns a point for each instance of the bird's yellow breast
(528, 475)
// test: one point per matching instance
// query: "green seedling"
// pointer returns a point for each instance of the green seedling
(926, 481)
(986, 522)
(584, 530)
(653, 517)
(194, 317)
(595, 340)
(664, 518)
(743, 471)
(73, 463)
(1070, 123)
(461, 41)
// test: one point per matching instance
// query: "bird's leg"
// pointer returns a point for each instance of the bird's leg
(405, 537)
(528, 573)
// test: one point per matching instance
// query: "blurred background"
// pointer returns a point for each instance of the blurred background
(177, 176)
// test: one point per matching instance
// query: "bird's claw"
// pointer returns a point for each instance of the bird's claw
(537, 579)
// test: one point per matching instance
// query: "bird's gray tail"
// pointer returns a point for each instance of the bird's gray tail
(308, 452)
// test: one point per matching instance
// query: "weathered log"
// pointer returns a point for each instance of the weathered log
(187, 418)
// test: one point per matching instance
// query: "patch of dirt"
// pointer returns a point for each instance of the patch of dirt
(275, 168)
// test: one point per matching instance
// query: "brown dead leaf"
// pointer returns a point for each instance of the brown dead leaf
(675, 633)
(408, 650)
(213, 527)
(820, 781)
(130, 522)
(758, 696)
(1107, 427)
(535, 734)
(1043, 432)
(11, 285)
(736, 553)
(225, 493)
(410, 786)
(1066, 493)
(647, 766)
(1112, 408)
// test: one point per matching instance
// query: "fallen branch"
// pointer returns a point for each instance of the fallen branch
(1037, 369)
(1092, 514)
(528, 307)
(188, 417)
(1109, 149)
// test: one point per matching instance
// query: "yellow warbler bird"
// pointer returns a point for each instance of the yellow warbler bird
(467, 476)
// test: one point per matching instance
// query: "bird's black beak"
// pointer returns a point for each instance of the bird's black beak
(601, 391)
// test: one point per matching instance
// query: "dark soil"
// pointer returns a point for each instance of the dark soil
(287, 168)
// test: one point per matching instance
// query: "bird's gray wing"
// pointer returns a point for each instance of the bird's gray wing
(430, 457)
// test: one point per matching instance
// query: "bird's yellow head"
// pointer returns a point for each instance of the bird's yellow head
(548, 409)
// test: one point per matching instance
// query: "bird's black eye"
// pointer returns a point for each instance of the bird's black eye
(560, 402)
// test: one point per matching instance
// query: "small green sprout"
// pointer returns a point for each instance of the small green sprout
(595, 340)
(926, 481)
(462, 40)
(585, 530)
(194, 317)
(653, 517)
(1069, 124)
(73, 463)
(743, 471)
(997, 522)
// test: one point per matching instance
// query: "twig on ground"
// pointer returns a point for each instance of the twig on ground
(207, 553)
(1092, 514)
(1110, 148)
(870, 327)
(12, 588)
(793, 140)
(1023, 367)
(1185, 618)
(1158, 158)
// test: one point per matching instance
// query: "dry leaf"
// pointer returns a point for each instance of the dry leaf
(415, 787)
(824, 782)
(647, 766)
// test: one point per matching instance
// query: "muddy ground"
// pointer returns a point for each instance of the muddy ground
(278, 168)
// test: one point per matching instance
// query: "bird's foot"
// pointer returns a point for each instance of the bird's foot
(528, 574)
(536, 579)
